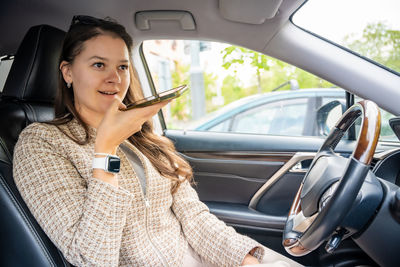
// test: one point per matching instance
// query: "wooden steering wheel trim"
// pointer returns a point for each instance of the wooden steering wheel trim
(292, 245)
(369, 133)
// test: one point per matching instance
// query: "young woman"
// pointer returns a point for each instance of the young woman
(105, 188)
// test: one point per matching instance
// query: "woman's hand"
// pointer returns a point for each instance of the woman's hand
(117, 125)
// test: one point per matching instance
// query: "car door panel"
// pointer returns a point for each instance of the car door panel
(244, 172)
(232, 184)
(243, 216)
(249, 181)
(235, 168)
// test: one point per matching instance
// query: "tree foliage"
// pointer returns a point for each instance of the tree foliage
(379, 43)
(270, 73)
(180, 108)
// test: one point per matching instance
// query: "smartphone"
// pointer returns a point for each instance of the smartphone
(154, 99)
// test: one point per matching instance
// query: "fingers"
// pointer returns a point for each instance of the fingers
(116, 103)
(160, 105)
(153, 109)
(122, 106)
(149, 110)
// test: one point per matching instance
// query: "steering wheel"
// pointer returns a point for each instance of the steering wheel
(325, 195)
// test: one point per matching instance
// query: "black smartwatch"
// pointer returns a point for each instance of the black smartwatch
(109, 163)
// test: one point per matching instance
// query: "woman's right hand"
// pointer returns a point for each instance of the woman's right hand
(117, 125)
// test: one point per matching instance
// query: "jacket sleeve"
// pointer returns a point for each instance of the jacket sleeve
(210, 237)
(84, 219)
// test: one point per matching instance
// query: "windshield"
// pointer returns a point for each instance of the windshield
(367, 27)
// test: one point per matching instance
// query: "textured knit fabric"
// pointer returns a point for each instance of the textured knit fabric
(96, 224)
(136, 164)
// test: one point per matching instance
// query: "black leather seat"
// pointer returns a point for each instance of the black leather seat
(28, 96)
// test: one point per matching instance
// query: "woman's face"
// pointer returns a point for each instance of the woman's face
(99, 73)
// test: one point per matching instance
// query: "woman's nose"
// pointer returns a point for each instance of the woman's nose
(114, 77)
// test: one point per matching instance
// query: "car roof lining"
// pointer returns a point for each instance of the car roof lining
(206, 13)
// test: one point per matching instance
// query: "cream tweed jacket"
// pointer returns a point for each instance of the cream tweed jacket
(96, 224)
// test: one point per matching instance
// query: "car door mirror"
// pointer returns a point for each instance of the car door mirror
(328, 115)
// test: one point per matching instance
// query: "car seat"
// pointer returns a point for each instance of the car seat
(28, 96)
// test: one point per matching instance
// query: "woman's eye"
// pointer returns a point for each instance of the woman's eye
(123, 67)
(98, 65)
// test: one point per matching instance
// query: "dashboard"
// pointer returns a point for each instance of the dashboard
(386, 164)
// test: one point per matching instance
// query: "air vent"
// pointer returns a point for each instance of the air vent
(373, 164)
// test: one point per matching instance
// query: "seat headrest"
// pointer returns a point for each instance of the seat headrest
(34, 72)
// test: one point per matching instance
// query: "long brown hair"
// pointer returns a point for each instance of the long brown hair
(158, 149)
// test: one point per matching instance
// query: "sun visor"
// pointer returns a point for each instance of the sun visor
(249, 11)
(143, 19)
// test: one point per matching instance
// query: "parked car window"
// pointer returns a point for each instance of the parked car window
(285, 117)
(373, 31)
(234, 89)
(222, 126)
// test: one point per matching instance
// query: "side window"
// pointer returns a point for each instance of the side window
(234, 89)
(5, 65)
(387, 133)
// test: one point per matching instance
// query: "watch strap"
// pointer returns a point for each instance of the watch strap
(100, 163)
(109, 163)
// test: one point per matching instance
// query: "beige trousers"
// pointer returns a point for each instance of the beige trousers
(271, 259)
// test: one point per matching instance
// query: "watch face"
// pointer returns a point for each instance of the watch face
(113, 164)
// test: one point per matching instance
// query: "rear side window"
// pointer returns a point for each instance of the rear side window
(5, 65)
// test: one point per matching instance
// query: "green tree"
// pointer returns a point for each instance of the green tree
(270, 73)
(181, 107)
(379, 43)
(232, 90)
(233, 55)
(210, 80)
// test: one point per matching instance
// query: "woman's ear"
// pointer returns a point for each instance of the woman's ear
(65, 68)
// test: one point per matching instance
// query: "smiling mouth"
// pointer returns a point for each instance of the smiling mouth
(107, 93)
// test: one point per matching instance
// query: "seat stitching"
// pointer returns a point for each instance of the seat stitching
(3, 145)
(28, 109)
(32, 62)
